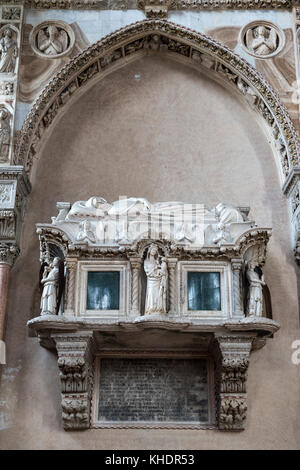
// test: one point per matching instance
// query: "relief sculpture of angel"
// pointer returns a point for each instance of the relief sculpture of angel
(262, 40)
(52, 40)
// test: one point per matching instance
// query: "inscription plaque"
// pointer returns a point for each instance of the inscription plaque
(162, 390)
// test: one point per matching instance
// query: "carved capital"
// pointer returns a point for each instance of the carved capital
(8, 253)
(75, 363)
(233, 362)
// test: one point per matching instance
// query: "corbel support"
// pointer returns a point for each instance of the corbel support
(75, 363)
(231, 379)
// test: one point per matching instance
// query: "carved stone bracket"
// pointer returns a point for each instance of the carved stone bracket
(75, 363)
(233, 361)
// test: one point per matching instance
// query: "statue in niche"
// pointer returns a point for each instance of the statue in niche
(256, 284)
(262, 40)
(52, 40)
(4, 134)
(226, 215)
(51, 288)
(8, 51)
(156, 271)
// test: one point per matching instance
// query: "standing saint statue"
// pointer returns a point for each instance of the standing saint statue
(8, 52)
(255, 302)
(50, 282)
(157, 275)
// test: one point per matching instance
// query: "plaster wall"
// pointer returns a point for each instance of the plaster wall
(162, 131)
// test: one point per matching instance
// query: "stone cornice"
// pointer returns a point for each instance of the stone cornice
(193, 5)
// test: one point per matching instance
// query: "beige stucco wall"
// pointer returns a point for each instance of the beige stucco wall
(162, 131)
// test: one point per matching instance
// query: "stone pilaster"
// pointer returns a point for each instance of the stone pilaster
(172, 284)
(75, 363)
(238, 309)
(136, 265)
(233, 361)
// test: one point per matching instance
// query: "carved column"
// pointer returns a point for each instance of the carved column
(136, 264)
(70, 286)
(75, 363)
(231, 379)
(8, 254)
(172, 285)
(238, 308)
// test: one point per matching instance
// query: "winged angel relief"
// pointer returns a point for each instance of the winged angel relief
(262, 40)
(52, 40)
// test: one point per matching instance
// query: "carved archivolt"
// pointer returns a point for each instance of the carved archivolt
(179, 43)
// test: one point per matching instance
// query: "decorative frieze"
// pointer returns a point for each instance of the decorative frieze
(176, 4)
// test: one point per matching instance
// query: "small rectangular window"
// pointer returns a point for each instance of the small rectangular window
(103, 290)
(204, 292)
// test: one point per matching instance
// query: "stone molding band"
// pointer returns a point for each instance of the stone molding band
(175, 4)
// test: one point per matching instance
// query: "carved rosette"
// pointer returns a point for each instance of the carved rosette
(75, 363)
(233, 362)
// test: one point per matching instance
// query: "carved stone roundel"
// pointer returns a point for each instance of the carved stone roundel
(52, 39)
(262, 39)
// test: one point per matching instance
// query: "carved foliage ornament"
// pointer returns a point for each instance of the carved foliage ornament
(52, 39)
(262, 39)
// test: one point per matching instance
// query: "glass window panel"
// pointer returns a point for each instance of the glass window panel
(103, 290)
(204, 291)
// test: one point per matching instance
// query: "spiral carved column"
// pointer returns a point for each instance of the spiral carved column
(70, 288)
(172, 289)
(236, 266)
(136, 264)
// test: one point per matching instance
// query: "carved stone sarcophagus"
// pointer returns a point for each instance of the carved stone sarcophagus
(135, 280)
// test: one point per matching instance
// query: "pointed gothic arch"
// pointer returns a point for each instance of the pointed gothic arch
(178, 43)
